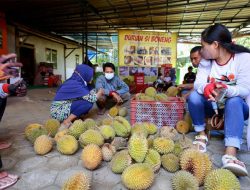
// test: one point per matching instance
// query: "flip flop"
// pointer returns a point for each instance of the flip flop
(4, 145)
(234, 165)
(202, 146)
(8, 181)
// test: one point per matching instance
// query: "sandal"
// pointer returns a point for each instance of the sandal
(4, 145)
(202, 146)
(234, 165)
(7, 180)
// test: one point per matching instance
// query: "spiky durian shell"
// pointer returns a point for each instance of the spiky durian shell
(119, 142)
(43, 144)
(139, 128)
(90, 123)
(196, 163)
(113, 111)
(150, 91)
(221, 179)
(107, 152)
(67, 145)
(154, 159)
(182, 127)
(30, 127)
(107, 132)
(52, 125)
(121, 126)
(170, 162)
(161, 97)
(107, 121)
(91, 156)
(77, 128)
(177, 149)
(172, 91)
(169, 132)
(123, 112)
(60, 134)
(138, 176)
(163, 146)
(78, 181)
(183, 180)
(138, 147)
(91, 137)
(150, 127)
(34, 133)
(120, 161)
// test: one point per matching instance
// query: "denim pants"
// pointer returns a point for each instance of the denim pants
(235, 112)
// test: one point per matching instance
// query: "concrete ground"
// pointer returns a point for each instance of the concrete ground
(49, 172)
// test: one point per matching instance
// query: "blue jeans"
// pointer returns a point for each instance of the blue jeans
(235, 112)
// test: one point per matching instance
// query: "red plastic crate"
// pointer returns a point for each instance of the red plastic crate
(164, 113)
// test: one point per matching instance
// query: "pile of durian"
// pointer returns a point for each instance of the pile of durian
(152, 95)
(136, 152)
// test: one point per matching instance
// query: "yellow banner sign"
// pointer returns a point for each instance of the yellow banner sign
(147, 49)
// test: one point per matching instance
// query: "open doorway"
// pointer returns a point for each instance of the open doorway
(27, 58)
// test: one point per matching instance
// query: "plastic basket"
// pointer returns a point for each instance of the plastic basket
(164, 113)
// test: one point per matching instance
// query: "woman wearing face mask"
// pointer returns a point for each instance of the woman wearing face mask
(228, 70)
(74, 97)
(115, 90)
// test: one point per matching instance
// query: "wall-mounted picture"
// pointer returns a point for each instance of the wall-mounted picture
(154, 50)
(148, 61)
(124, 71)
(165, 50)
(128, 60)
(129, 49)
(142, 50)
(138, 60)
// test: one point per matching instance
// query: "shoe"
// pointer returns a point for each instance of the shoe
(202, 146)
(234, 165)
(4, 145)
(7, 180)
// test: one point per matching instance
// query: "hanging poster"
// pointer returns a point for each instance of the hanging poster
(149, 49)
(3, 34)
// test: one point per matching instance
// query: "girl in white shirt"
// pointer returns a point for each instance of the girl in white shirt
(228, 68)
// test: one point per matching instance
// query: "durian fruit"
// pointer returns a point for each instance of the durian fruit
(77, 128)
(183, 180)
(52, 125)
(150, 141)
(147, 98)
(169, 132)
(172, 91)
(43, 144)
(138, 176)
(138, 147)
(67, 145)
(163, 146)
(30, 127)
(90, 124)
(91, 137)
(114, 111)
(60, 134)
(185, 142)
(120, 161)
(150, 127)
(177, 149)
(123, 112)
(107, 132)
(33, 134)
(139, 96)
(170, 162)
(79, 181)
(139, 128)
(161, 97)
(196, 163)
(98, 122)
(182, 127)
(122, 126)
(119, 142)
(107, 121)
(221, 179)
(107, 152)
(188, 119)
(153, 158)
(91, 156)
(150, 91)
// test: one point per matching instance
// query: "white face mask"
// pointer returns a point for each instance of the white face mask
(109, 76)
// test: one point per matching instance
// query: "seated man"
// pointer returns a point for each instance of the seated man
(189, 78)
(115, 90)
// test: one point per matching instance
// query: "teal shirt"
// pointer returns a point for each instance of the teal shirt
(115, 84)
